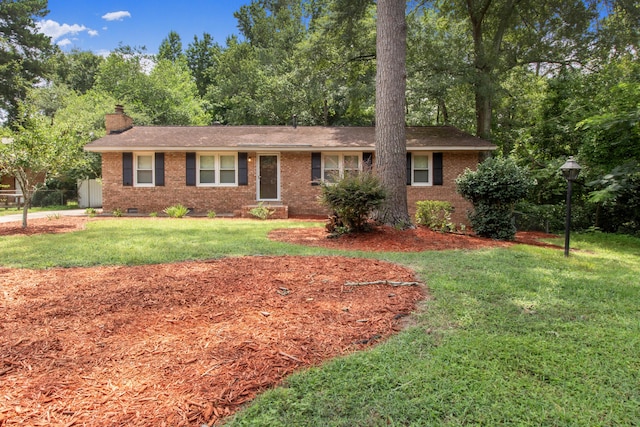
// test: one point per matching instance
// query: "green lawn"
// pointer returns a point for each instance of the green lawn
(516, 336)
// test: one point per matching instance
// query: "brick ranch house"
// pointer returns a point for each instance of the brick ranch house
(230, 169)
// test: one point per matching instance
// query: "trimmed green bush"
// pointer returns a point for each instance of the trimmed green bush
(493, 189)
(434, 214)
(352, 199)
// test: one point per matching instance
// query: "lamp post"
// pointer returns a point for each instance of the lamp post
(570, 171)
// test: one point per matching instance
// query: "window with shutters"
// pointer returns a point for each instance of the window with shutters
(420, 169)
(144, 171)
(216, 169)
(336, 166)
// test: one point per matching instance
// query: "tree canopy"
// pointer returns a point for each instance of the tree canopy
(23, 50)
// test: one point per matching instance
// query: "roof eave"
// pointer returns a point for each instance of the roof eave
(257, 148)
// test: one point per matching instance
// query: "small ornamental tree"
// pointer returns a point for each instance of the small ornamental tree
(352, 200)
(493, 189)
(36, 150)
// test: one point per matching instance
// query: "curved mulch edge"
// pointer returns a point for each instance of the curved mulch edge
(388, 239)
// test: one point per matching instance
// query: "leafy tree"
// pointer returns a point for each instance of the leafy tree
(171, 48)
(172, 98)
(336, 76)
(76, 69)
(202, 59)
(611, 130)
(23, 50)
(234, 97)
(167, 95)
(438, 72)
(506, 34)
(48, 99)
(617, 197)
(38, 149)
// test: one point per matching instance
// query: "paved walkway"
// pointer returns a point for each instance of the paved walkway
(34, 215)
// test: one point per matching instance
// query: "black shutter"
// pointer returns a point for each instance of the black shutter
(316, 168)
(127, 169)
(159, 169)
(367, 161)
(437, 169)
(191, 169)
(243, 170)
(408, 168)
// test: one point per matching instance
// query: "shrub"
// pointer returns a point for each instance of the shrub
(211, 214)
(493, 189)
(176, 211)
(353, 199)
(261, 211)
(91, 212)
(434, 214)
(117, 212)
(494, 221)
(153, 214)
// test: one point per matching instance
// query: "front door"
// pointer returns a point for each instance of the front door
(268, 185)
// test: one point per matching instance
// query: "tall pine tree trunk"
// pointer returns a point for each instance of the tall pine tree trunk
(391, 158)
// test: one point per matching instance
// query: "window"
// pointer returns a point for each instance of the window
(144, 170)
(217, 169)
(420, 169)
(336, 166)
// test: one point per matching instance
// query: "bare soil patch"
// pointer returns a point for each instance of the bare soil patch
(186, 344)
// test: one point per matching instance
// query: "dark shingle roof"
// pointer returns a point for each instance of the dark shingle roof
(281, 138)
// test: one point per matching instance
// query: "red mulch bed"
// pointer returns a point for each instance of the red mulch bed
(188, 343)
(388, 239)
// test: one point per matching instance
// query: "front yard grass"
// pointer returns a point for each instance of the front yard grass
(516, 336)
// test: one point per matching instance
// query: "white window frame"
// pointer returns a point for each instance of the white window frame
(217, 169)
(341, 168)
(136, 169)
(429, 157)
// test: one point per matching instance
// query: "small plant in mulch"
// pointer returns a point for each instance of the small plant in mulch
(261, 211)
(211, 214)
(90, 212)
(435, 214)
(117, 212)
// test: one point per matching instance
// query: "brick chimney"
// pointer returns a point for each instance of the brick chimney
(117, 122)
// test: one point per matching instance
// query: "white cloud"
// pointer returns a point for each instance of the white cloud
(55, 30)
(64, 42)
(116, 16)
(92, 33)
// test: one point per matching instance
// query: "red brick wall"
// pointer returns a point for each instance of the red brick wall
(453, 164)
(295, 187)
(222, 200)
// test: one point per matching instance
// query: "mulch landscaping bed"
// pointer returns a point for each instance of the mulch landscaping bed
(188, 343)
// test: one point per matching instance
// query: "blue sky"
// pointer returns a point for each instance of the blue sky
(100, 26)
